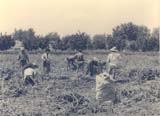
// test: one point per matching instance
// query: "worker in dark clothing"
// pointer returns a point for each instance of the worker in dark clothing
(93, 67)
(23, 58)
(79, 61)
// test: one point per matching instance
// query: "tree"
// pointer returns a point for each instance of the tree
(18, 34)
(132, 45)
(53, 39)
(124, 33)
(30, 41)
(127, 31)
(76, 41)
(131, 36)
(6, 42)
(153, 41)
(142, 38)
(99, 41)
(43, 42)
(110, 42)
(124, 36)
(28, 38)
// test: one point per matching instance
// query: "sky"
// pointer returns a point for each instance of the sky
(69, 16)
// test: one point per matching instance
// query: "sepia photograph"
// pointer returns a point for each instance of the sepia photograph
(79, 58)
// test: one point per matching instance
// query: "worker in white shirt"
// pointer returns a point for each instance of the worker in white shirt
(46, 62)
(29, 72)
(113, 61)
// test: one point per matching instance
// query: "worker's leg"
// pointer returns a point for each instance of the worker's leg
(112, 71)
(28, 80)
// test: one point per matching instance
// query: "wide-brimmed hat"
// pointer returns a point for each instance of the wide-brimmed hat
(114, 49)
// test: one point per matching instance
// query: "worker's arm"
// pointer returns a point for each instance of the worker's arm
(34, 73)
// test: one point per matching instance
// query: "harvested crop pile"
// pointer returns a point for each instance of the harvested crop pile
(73, 103)
(143, 74)
(139, 99)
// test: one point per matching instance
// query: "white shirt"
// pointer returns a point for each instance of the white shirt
(29, 72)
(114, 58)
(44, 56)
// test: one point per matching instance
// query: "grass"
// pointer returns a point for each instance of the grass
(63, 94)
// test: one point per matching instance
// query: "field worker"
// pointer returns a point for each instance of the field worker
(104, 88)
(71, 62)
(23, 57)
(79, 59)
(113, 61)
(29, 73)
(46, 61)
(93, 66)
(79, 55)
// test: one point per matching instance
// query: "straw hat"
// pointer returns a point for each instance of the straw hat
(114, 49)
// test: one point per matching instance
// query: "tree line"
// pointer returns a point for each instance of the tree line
(127, 36)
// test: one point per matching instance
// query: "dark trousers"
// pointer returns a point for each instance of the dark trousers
(23, 62)
(46, 66)
(28, 80)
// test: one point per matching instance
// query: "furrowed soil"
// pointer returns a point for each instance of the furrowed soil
(67, 93)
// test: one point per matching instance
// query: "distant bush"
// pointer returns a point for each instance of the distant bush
(76, 42)
(27, 37)
(131, 36)
(99, 42)
(153, 41)
(6, 42)
(52, 39)
(126, 36)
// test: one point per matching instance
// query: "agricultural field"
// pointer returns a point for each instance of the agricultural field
(67, 93)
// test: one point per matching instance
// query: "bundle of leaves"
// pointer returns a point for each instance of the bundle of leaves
(149, 74)
(73, 102)
(7, 73)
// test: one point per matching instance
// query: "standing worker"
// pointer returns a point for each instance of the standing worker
(23, 57)
(113, 61)
(79, 60)
(93, 67)
(46, 62)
